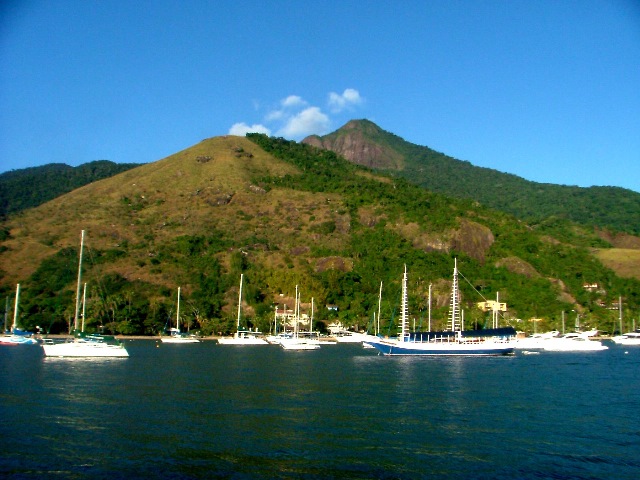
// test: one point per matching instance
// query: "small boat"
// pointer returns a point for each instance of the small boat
(17, 336)
(456, 341)
(629, 338)
(84, 345)
(243, 336)
(574, 342)
(174, 333)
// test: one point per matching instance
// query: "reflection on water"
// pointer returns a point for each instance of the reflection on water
(175, 411)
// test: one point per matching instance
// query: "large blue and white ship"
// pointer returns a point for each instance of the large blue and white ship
(455, 341)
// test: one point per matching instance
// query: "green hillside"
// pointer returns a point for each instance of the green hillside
(288, 214)
(611, 208)
(30, 187)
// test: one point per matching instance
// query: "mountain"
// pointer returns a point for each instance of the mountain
(30, 187)
(287, 214)
(364, 143)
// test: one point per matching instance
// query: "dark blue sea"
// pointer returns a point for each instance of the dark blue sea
(343, 412)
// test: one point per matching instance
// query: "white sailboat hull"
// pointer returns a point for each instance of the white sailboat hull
(172, 339)
(297, 344)
(242, 338)
(82, 348)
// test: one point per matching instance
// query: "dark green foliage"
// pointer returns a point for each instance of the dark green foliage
(611, 208)
(47, 300)
(30, 187)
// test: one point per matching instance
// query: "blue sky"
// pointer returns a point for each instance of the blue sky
(548, 90)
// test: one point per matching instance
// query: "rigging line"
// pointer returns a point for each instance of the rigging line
(471, 285)
(478, 292)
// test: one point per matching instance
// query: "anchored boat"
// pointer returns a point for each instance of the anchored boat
(455, 341)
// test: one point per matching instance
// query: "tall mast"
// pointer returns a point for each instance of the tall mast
(84, 303)
(296, 313)
(15, 309)
(239, 302)
(429, 308)
(178, 312)
(6, 313)
(620, 312)
(404, 330)
(379, 307)
(275, 321)
(454, 308)
(75, 317)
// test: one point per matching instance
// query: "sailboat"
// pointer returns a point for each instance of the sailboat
(175, 335)
(243, 336)
(17, 336)
(296, 342)
(84, 345)
(629, 338)
(455, 341)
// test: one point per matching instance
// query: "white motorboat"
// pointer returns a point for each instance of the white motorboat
(574, 342)
(629, 338)
(537, 341)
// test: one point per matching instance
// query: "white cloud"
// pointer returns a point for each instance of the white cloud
(241, 129)
(349, 97)
(294, 118)
(289, 104)
(310, 120)
(293, 101)
(275, 115)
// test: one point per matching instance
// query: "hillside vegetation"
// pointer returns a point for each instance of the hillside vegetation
(30, 187)
(364, 143)
(288, 214)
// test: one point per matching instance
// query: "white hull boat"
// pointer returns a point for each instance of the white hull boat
(537, 341)
(628, 339)
(243, 337)
(84, 347)
(298, 344)
(574, 342)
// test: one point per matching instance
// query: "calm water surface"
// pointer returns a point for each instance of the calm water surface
(214, 411)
